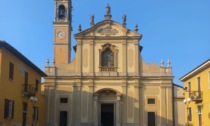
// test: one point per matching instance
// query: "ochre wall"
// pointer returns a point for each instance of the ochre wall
(12, 89)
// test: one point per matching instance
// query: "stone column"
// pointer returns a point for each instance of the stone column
(118, 111)
(96, 110)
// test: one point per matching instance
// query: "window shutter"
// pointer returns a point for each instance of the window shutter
(11, 70)
(13, 103)
(6, 108)
(10, 110)
(37, 115)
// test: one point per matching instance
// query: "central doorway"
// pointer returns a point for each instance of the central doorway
(151, 118)
(107, 114)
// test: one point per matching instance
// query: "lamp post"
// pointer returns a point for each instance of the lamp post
(187, 102)
(33, 100)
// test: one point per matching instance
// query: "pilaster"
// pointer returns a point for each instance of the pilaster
(91, 58)
(124, 102)
(141, 104)
(163, 106)
(136, 62)
(91, 103)
(124, 57)
(118, 111)
(136, 101)
(96, 110)
(79, 57)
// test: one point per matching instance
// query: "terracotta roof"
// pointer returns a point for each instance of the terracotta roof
(15, 52)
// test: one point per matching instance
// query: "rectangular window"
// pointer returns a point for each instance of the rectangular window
(199, 86)
(11, 71)
(189, 114)
(24, 114)
(209, 79)
(189, 89)
(35, 113)
(63, 100)
(26, 81)
(8, 109)
(199, 83)
(37, 85)
(25, 107)
(199, 109)
(151, 101)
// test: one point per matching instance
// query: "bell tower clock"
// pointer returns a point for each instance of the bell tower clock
(62, 31)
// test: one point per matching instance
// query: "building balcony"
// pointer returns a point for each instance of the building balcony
(108, 69)
(196, 96)
(29, 90)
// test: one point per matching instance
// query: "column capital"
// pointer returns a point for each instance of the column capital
(118, 98)
(96, 97)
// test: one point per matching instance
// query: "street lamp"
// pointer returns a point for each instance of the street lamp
(33, 100)
(187, 101)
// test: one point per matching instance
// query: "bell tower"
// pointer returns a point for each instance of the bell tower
(62, 31)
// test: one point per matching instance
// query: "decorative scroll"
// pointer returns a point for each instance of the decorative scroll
(107, 31)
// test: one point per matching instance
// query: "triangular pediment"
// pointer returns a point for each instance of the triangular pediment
(107, 28)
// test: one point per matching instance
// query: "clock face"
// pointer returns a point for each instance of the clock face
(61, 35)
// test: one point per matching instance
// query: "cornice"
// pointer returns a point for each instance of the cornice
(195, 71)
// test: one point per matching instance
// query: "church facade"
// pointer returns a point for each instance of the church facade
(107, 83)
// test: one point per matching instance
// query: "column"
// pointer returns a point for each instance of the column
(96, 110)
(118, 110)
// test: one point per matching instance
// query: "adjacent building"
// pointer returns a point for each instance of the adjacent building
(21, 100)
(178, 105)
(197, 92)
(107, 83)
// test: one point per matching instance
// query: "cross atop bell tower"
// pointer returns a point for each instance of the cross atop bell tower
(62, 31)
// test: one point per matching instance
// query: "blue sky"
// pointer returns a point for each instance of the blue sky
(178, 30)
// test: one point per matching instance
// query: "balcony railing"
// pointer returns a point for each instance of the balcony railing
(106, 68)
(196, 95)
(29, 90)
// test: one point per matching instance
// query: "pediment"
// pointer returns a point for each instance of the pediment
(107, 29)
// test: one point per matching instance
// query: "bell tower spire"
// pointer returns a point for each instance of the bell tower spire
(62, 31)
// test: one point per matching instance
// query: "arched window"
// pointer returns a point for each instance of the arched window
(61, 12)
(108, 58)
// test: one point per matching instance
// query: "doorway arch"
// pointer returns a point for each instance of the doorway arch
(107, 107)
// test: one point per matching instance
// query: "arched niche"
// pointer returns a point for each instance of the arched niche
(61, 11)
